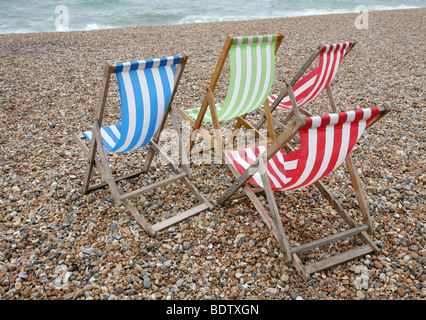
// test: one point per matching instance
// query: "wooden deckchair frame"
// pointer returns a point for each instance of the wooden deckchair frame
(209, 102)
(101, 162)
(294, 80)
(272, 218)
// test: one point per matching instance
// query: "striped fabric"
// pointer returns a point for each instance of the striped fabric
(252, 63)
(325, 143)
(310, 86)
(145, 90)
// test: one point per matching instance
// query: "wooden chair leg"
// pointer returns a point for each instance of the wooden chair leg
(101, 163)
(104, 166)
(215, 119)
(124, 198)
(234, 133)
(274, 223)
(78, 137)
(268, 117)
(282, 239)
(91, 162)
(359, 193)
(196, 126)
(182, 153)
(139, 218)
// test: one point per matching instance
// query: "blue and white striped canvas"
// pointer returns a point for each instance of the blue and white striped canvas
(145, 90)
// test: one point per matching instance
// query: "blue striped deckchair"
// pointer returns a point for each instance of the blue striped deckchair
(147, 89)
(252, 68)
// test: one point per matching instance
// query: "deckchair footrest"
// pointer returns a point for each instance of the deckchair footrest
(125, 177)
(308, 269)
(153, 186)
(339, 258)
(326, 240)
(179, 217)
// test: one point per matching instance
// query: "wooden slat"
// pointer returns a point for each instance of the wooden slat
(215, 119)
(99, 117)
(368, 241)
(104, 165)
(250, 127)
(294, 106)
(235, 132)
(155, 185)
(273, 209)
(335, 204)
(243, 194)
(359, 193)
(331, 99)
(269, 120)
(300, 267)
(179, 217)
(138, 217)
(104, 91)
(326, 240)
(338, 259)
(197, 151)
(78, 136)
(104, 184)
(182, 153)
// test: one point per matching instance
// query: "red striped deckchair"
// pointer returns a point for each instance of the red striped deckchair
(325, 143)
(315, 82)
(147, 89)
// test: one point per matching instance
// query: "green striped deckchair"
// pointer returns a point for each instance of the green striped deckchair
(252, 68)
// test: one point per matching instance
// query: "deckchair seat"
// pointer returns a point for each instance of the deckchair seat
(193, 113)
(251, 75)
(110, 135)
(325, 143)
(145, 90)
(252, 62)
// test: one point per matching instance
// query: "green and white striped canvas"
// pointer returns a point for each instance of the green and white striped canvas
(252, 62)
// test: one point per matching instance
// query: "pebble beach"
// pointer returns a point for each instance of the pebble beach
(57, 244)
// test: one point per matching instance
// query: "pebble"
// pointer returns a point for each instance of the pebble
(22, 275)
(119, 288)
(147, 283)
(56, 243)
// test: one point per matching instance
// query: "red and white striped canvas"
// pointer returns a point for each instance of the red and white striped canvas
(310, 86)
(325, 140)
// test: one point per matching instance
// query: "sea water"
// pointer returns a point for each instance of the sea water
(24, 16)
